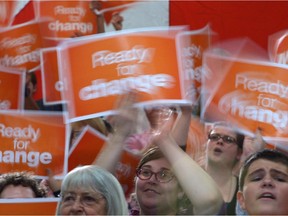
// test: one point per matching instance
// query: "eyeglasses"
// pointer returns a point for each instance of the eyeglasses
(225, 138)
(86, 199)
(162, 176)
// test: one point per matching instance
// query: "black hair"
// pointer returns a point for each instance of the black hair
(267, 154)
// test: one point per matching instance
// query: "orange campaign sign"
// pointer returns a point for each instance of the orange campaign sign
(67, 18)
(86, 148)
(33, 141)
(6, 12)
(24, 206)
(112, 64)
(51, 84)
(278, 47)
(198, 42)
(12, 85)
(20, 46)
(251, 94)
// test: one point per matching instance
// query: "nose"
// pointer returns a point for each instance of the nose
(77, 206)
(220, 141)
(267, 182)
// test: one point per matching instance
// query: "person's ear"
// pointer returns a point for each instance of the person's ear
(239, 153)
(241, 200)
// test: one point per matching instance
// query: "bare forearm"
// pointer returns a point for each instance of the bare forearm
(196, 183)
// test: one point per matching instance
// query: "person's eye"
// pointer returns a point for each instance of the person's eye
(214, 136)
(89, 199)
(255, 178)
(166, 174)
(68, 198)
(145, 172)
(280, 178)
(230, 139)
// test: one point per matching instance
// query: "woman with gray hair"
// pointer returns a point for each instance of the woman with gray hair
(91, 190)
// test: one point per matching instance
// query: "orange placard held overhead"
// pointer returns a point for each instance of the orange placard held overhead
(192, 53)
(34, 206)
(85, 148)
(20, 46)
(67, 18)
(251, 94)
(11, 89)
(51, 84)
(112, 64)
(33, 141)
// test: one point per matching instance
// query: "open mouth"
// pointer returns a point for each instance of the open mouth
(151, 190)
(218, 150)
(267, 196)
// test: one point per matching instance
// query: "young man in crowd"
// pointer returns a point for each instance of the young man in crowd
(263, 186)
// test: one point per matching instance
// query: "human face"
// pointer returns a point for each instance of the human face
(79, 202)
(156, 197)
(219, 151)
(265, 189)
(19, 191)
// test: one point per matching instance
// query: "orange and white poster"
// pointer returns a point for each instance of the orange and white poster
(33, 141)
(51, 84)
(20, 46)
(35, 206)
(86, 148)
(112, 64)
(67, 18)
(12, 85)
(192, 53)
(251, 94)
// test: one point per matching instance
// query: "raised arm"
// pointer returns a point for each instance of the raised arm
(123, 123)
(199, 187)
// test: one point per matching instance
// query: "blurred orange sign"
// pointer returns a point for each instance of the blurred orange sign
(11, 88)
(67, 18)
(20, 46)
(112, 64)
(251, 94)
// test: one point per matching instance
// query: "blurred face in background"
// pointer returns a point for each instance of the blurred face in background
(17, 191)
(222, 146)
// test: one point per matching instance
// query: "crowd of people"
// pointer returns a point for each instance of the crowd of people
(168, 181)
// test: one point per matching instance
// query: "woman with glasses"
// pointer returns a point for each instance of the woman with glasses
(166, 178)
(91, 190)
(224, 150)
